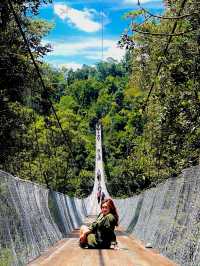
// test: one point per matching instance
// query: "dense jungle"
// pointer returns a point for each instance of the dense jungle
(148, 104)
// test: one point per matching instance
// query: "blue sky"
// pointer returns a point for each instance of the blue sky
(77, 36)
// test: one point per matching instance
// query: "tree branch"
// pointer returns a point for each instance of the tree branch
(163, 17)
(163, 34)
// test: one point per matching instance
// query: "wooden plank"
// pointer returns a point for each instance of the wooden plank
(131, 252)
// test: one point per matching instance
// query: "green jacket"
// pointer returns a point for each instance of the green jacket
(102, 231)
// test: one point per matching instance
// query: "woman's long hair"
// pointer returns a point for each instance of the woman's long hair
(112, 209)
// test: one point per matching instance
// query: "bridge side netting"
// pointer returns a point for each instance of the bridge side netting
(33, 218)
(168, 217)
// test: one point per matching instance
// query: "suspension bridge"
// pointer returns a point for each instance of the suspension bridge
(40, 227)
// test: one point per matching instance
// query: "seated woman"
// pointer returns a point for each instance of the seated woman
(100, 234)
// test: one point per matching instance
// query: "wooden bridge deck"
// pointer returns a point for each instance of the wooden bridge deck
(131, 252)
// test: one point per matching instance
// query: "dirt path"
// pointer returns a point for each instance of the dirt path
(130, 253)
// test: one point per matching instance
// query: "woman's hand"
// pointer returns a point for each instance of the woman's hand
(83, 238)
(84, 231)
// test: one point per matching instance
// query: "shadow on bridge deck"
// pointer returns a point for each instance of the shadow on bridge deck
(131, 252)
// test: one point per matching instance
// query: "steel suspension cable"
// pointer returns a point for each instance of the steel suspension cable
(41, 79)
(165, 52)
(154, 80)
(102, 34)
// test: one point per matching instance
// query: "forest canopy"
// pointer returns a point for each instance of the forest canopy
(148, 104)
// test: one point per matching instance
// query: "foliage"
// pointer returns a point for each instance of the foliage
(6, 257)
(18, 79)
(145, 140)
(169, 141)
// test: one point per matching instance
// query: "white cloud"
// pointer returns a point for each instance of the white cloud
(72, 65)
(81, 19)
(89, 48)
(110, 51)
(60, 63)
(114, 52)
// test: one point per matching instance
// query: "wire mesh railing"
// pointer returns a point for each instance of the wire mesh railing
(33, 218)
